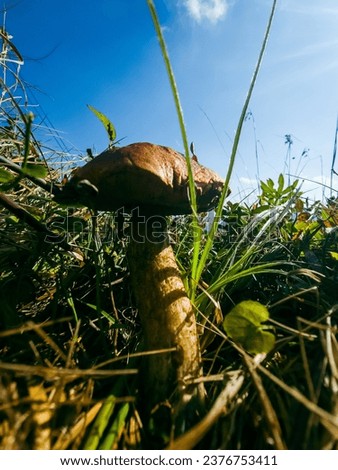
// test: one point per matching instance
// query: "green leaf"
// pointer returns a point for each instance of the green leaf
(244, 324)
(295, 184)
(270, 183)
(6, 176)
(260, 209)
(70, 302)
(265, 187)
(334, 255)
(100, 424)
(116, 428)
(280, 183)
(106, 122)
(37, 170)
(111, 319)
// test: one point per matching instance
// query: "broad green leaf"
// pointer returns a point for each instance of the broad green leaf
(265, 187)
(260, 342)
(244, 324)
(334, 255)
(106, 122)
(37, 170)
(6, 176)
(301, 225)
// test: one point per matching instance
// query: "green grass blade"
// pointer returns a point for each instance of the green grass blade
(175, 93)
(108, 125)
(71, 303)
(267, 268)
(113, 322)
(100, 424)
(197, 231)
(115, 428)
(28, 120)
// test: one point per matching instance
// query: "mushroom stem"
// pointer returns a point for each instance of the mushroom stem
(167, 317)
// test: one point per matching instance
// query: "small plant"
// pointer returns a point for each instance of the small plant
(273, 196)
(245, 325)
(108, 125)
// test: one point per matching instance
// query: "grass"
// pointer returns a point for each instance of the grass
(70, 337)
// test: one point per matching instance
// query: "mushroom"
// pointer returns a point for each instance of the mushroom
(150, 177)
(151, 182)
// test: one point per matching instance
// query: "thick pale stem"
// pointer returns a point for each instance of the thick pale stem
(168, 320)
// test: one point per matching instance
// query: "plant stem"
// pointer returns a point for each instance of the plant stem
(28, 121)
(197, 231)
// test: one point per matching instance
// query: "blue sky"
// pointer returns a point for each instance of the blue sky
(105, 53)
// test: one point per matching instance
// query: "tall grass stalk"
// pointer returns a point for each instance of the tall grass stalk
(197, 230)
(333, 172)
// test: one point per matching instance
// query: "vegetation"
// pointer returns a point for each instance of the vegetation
(70, 335)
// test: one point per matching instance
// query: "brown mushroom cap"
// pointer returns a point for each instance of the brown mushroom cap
(151, 177)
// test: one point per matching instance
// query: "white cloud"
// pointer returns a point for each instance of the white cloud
(211, 10)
